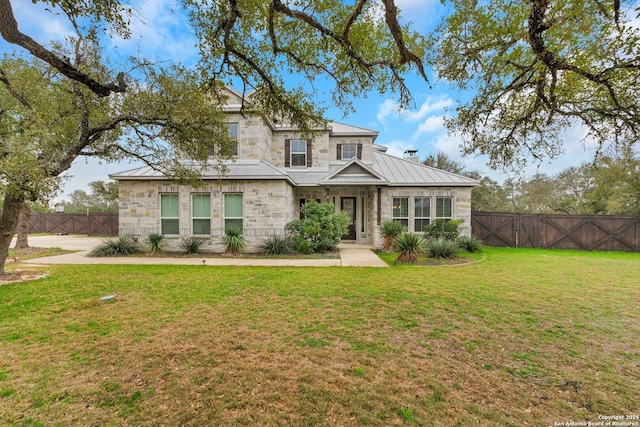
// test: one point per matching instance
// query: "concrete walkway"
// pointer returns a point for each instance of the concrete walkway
(351, 255)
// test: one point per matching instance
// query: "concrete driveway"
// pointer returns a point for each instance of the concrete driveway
(69, 242)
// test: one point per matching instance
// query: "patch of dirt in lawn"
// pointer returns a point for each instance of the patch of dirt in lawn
(21, 276)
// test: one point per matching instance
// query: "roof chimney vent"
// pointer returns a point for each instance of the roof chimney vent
(411, 155)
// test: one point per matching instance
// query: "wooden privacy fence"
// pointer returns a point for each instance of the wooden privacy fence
(92, 224)
(583, 232)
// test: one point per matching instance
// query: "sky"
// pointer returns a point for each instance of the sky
(162, 33)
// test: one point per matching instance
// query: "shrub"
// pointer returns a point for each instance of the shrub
(410, 246)
(233, 240)
(442, 249)
(320, 228)
(390, 230)
(121, 246)
(276, 245)
(156, 242)
(443, 229)
(470, 244)
(192, 245)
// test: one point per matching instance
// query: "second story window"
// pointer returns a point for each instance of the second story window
(233, 133)
(298, 153)
(216, 148)
(349, 151)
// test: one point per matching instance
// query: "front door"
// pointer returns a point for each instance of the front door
(348, 206)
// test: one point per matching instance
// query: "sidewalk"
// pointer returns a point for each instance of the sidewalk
(351, 255)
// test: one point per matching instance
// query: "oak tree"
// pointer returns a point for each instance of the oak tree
(78, 104)
(536, 68)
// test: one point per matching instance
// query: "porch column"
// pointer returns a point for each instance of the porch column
(379, 204)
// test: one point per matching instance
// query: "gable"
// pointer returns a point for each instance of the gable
(354, 173)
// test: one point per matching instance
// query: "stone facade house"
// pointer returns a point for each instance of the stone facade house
(275, 171)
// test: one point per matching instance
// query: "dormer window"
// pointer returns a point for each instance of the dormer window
(349, 151)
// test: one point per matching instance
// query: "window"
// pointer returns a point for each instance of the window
(349, 151)
(201, 213)
(421, 213)
(169, 214)
(233, 133)
(444, 208)
(298, 153)
(216, 148)
(401, 210)
(233, 211)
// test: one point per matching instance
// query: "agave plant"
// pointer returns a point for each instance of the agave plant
(120, 246)
(470, 244)
(192, 245)
(276, 245)
(390, 230)
(156, 242)
(410, 246)
(442, 249)
(233, 240)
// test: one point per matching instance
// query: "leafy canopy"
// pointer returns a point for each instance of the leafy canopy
(537, 68)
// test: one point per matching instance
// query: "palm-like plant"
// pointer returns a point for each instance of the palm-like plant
(233, 240)
(156, 242)
(276, 245)
(410, 246)
(192, 245)
(390, 230)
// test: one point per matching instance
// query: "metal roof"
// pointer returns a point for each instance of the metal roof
(384, 170)
(401, 172)
(339, 129)
(239, 169)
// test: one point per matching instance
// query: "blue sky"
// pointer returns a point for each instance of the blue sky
(162, 33)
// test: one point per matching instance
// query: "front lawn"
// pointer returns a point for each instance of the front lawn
(522, 337)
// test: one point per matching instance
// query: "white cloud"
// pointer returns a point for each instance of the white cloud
(40, 23)
(423, 14)
(431, 125)
(390, 108)
(160, 29)
(397, 147)
(386, 109)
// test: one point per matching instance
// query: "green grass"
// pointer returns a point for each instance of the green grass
(520, 337)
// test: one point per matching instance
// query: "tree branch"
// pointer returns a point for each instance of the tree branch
(10, 32)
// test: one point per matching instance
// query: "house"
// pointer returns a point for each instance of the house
(275, 171)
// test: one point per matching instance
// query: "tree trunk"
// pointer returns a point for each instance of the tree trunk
(8, 222)
(24, 220)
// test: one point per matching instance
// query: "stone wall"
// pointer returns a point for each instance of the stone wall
(254, 137)
(461, 205)
(268, 205)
